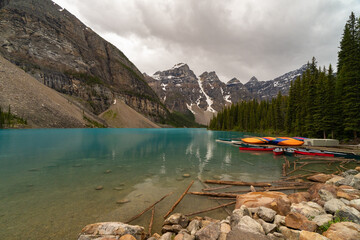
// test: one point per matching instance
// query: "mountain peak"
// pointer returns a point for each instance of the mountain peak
(209, 76)
(180, 65)
(233, 81)
(253, 79)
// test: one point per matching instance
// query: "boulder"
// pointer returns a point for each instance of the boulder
(308, 209)
(347, 196)
(306, 235)
(127, 237)
(193, 226)
(237, 214)
(268, 227)
(349, 172)
(177, 218)
(184, 236)
(290, 234)
(333, 205)
(343, 231)
(322, 219)
(210, 232)
(171, 228)
(243, 233)
(299, 221)
(349, 213)
(357, 168)
(117, 229)
(355, 203)
(299, 197)
(278, 236)
(277, 201)
(225, 228)
(251, 224)
(334, 180)
(322, 178)
(266, 214)
(351, 180)
(314, 191)
(279, 220)
(325, 195)
(167, 236)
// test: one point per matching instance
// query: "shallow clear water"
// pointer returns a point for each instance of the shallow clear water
(48, 176)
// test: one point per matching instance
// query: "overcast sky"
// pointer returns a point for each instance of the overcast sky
(235, 38)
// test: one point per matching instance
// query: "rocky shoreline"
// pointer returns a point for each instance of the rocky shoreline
(330, 209)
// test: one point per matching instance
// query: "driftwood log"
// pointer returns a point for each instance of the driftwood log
(239, 183)
(179, 200)
(210, 209)
(229, 195)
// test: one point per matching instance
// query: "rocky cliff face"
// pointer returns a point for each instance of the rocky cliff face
(61, 52)
(270, 89)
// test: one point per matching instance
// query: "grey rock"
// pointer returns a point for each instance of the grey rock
(345, 201)
(251, 224)
(225, 228)
(325, 195)
(355, 202)
(268, 227)
(322, 219)
(242, 233)
(308, 209)
(111, 228)
(349, 172)
(351, 180)
(272, 236)
(167, 236)
(349, 213)
(333, 205)
(210, 232)
(237, 214)
(266, 214)
(290, 234)
(177, 218)
(334, 180)
(279, 220)
(193, 226)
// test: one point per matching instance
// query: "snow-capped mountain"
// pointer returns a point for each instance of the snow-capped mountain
(270, 89)
(204, 95)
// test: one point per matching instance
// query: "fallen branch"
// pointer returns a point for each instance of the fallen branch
(229, 195)
(284, 169)
(151, 220)
(287, 188)
(238, 183)
(210, 209)
(179, 200)
(148, 208)
(216, 188)
(296, 169)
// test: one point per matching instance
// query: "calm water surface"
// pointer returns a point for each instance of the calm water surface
(48, 176)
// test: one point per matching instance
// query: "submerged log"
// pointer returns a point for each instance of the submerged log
(148, 208)
(216, 188)
(210, 209)
(239, 183)
(287, 188)
(229, 195)
(151, 220)
(179, 200)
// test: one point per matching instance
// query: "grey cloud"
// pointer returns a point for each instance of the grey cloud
(236, 38)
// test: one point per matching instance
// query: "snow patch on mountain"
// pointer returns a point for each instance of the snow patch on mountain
(208, 99)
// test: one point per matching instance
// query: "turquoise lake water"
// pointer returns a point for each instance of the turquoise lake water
(48, 176)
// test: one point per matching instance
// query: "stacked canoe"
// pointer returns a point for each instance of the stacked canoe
(281, 141)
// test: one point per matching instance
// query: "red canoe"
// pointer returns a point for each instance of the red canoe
(256, 148)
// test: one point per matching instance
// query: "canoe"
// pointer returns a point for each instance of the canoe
(314, 152)
(257, 148)
(278, 151)
(254, 140)
(289, 151)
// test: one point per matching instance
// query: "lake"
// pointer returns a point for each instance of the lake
(48, 176)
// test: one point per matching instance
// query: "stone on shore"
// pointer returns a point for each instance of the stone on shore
(306, 235)
(111, 230)
(289, 234)
(252, 225)
(193, 226)
(277, 201)
(314, 191)
(333, 205)
(334, 180)
(322, 219)
(266, 214)
(268, 227)
(322, 178)
(343, 231)
(237, 214)
(210, 232)
(279, 220)
(349, 213)
(299, 197)
(167, 236)
(299, 221)
(308, 209)
(177, 218)
(242, 233)
(325, 195)
(127, 237)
